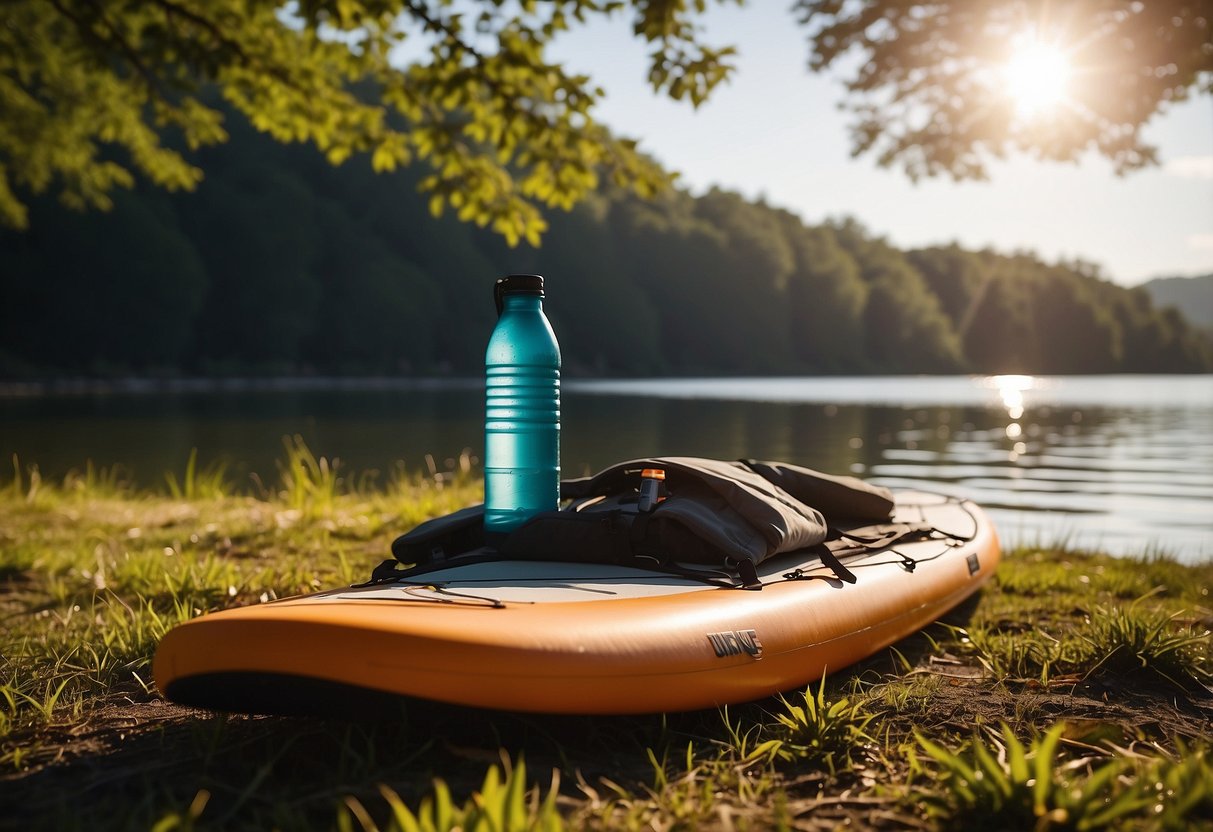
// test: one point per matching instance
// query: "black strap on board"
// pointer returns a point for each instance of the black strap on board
(835, 565)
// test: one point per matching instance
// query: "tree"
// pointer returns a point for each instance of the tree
(88, 294)
(904, 327)
(257, 233)
(826, 299)
(753, 270)
(1074, 333)
(930, 84)
(1000, 336)
(606, 323)
(954, 275)
(93, 92)
(676, 257)
(90, 90)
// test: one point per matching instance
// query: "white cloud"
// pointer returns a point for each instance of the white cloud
(1200, 242)
(1191, 167)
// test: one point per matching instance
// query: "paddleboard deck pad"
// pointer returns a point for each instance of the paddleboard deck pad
(581, 638)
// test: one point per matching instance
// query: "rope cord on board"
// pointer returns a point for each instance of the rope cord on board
(908, 563)
(882, 543)
(456, 597)
(386, 573)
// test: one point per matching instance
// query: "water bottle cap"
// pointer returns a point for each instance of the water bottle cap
(653, 473)
(522, 283)
(528, 284)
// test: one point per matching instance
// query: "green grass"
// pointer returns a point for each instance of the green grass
(1072, 694)
(830, 733)
(503, 803)
(998, 782)
(209, 483)
(1136, 644)
(1128, 620)
(1003, 784)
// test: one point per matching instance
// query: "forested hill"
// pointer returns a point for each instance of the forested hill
(1192, 296)
(280, 263)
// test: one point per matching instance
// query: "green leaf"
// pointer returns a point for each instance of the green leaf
(444, 807)
(1043, 767)
(404, 819)
(1017, 759)
(991, 768)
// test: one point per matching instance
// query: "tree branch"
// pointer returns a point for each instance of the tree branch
(172, 9)
(115, 40)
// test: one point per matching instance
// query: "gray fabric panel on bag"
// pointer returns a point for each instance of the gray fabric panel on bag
(786, 523)
(838, 498)
(737, 503)
(731, 534)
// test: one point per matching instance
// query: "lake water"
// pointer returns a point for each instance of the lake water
(1122, 463)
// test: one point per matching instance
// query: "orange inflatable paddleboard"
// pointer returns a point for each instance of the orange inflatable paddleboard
(582, 638)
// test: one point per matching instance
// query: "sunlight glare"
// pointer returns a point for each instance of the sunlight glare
(1011, 389)
(1037, 76)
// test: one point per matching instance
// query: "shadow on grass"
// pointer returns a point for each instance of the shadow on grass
(138, 762)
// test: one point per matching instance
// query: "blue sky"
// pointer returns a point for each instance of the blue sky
(775, 132)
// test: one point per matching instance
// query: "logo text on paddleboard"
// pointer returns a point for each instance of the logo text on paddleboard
(736, 642)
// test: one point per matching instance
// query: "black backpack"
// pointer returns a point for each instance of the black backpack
(719, 521)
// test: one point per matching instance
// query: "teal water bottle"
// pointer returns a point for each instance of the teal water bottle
(522, 408)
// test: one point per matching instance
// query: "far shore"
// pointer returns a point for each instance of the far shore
(152, 385)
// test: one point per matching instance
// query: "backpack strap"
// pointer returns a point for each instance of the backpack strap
(831, 561)
(442, 538)
(856, 541)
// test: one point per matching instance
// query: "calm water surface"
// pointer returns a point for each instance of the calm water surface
(1123, 463)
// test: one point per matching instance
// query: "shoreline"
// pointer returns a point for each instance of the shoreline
(603, 385)
(247, 384)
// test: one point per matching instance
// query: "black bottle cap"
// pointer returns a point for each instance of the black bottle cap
(529, 284)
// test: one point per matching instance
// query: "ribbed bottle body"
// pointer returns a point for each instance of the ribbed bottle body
(522, 416)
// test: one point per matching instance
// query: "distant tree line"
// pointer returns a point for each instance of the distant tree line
(280, 263)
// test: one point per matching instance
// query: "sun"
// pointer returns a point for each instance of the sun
(1037, 76)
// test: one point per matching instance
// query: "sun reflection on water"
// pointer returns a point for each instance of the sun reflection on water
(1011, 389)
